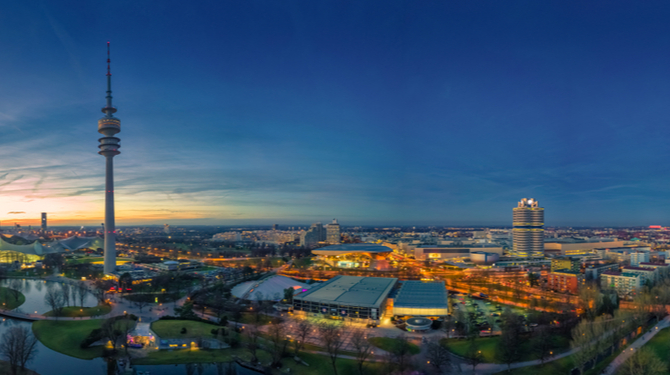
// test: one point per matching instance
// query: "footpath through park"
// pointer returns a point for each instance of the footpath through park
(621, 358)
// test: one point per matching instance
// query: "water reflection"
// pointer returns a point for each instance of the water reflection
(35, 289)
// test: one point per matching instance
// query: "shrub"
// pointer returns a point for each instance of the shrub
(183, 330)
(92, 337)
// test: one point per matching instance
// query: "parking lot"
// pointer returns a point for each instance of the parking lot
(486, 313)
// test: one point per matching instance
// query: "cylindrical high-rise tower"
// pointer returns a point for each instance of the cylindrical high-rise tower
(528, 229)
(109, 147)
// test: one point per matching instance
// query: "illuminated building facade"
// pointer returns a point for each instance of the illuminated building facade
(528, 229)
(44, 221)
(333, 232)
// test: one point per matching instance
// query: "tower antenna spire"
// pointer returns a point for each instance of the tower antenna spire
(109, 126)
(109, 86)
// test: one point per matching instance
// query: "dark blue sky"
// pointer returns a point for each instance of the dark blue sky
(388, 112)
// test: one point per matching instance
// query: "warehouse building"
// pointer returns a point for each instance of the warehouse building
(361, 299)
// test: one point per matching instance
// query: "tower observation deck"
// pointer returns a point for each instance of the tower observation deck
(109, 126)
(528, 229)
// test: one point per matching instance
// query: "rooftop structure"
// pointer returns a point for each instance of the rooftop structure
(417, 298)
(351, 291)
(271, 288)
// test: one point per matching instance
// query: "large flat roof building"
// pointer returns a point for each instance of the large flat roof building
(418, 298)
(354, 248)
(352, 297)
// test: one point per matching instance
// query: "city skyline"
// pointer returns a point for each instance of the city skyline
(417, 115)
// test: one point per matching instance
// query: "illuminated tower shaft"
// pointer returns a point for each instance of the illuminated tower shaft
(109, 147)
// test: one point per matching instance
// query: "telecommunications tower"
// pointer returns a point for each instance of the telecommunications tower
(109, 126)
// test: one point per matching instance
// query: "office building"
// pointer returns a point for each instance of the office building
(109, 126)
(624, 283)
(361, 299)
(44, 221)
(593, 272)
(333, 233)
(649, 275)
(528, 229)
(638, 257)
(312, 236)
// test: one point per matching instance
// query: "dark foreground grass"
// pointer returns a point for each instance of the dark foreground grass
(78, 312)
(66, 336)
(7, 300)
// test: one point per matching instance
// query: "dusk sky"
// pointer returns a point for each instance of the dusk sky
(372, 112)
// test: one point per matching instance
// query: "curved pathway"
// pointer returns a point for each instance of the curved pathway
(621, 358)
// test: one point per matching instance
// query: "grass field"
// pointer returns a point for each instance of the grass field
(66, 336)
(8, 301)
(78, 312)
(169, 357)
(488, 345)
(389, 343)
(660, 344)
(318, 364)
(167, 329)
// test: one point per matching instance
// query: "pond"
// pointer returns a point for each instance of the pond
(35, 290)
(50, 362)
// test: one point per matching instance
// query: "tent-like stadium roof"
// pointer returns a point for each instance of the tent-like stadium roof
(363, 248)
(267, 289)
(36, 248)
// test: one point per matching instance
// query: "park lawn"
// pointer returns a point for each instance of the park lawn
(170, 357)
(488, 347)
(78, 312)
(171, 329)
(66, 336)
(8, 301)
(249, 318)
(660, 344)
(320, 364)
(388, 343)
(561, 366)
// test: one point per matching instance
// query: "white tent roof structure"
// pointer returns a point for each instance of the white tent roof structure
(266, 289)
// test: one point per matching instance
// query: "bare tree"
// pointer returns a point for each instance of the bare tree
(82, 292)
(643, 361)
(54, 299)
(66, 291)
(401, 353)
(331, 337)
(362, 347)
(114, 329)
(18, 347)
(438, 356)
(278, 342)
(473, 355)
(303, 329)
(542, 343)
(142, 300)
(252, 334)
